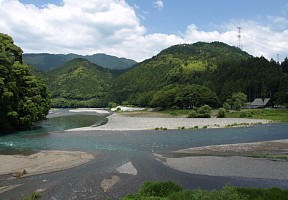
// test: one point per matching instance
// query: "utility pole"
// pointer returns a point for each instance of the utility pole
(240, 46)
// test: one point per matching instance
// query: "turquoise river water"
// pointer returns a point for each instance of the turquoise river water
(50, 134)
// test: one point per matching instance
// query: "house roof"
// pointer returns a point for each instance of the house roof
(260, 102)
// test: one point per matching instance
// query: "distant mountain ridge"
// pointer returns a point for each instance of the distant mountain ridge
(46, 61)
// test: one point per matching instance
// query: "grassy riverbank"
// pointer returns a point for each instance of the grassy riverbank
(169, 190)
(278, 115)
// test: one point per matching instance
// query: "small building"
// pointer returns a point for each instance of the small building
(262, 103)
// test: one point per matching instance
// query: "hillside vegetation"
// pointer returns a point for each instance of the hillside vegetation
(218, 68)
(181, 76)
(79, 83)
(45, 61)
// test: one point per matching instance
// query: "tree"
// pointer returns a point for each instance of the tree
(237, 100)
(221, 113)
(284, 65)
(23, 97)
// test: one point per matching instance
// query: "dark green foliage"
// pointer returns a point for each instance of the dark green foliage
(184, 96)
(202, 112)
(237, 100)
(155, 190)
(264, 194)
(187, 64)
(80, 83)
(184, 76)
(255, 77)
(45, 61)
(23, 97)
(192, 114)
(243, 114)
(284, 65)
(228, 193)
(226, 106)
(221, 113)
(172, 191)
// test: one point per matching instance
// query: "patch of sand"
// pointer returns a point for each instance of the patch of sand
(42, 162)
(221, 160)
(230, 166)
(96, 110)
(127, 168)
(108, 183)
(256, 148)
(118, 122)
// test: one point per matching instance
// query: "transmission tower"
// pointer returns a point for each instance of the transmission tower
(240, 46)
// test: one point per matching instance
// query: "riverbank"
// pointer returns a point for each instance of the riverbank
(250, 160)
(125, 122)
(42, 162)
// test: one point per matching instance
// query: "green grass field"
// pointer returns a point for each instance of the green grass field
(278, 115)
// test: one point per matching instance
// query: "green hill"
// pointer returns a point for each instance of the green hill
(45, 61)
(179, 64)
(79, 83)
(189, 75)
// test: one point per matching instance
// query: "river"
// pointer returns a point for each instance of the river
(114, 148)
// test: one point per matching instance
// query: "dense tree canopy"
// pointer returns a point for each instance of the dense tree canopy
(23, 97)
(184, 96)
(223, 69)
(79, 83)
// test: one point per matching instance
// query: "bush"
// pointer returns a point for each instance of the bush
(226, 106)
(202, 112)
(172, 191)
(243, 114)
(159, 189)
(221, 113)
(192, 114)
(228, 193)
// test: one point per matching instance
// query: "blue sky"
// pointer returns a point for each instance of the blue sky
(139, 29)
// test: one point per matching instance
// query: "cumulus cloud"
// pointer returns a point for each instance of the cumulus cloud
(257, 39)
(159, 4)
(113, 27)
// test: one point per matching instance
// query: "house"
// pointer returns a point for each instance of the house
(262, 103)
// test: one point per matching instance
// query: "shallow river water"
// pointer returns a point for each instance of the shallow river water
(114, 148)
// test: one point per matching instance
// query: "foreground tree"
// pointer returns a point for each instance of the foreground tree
(23, 98)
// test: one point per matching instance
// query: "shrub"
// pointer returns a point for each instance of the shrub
(192, 114)
(159, 189)
(243, 114)
(202, 112)
(228, 193)
(112, 105)
(221, 113)
(226, 106)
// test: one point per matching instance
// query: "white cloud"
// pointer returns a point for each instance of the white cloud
(257, 39)
(113, 27)
(159, 4)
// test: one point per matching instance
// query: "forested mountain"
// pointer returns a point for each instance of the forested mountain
(79, 83)
(23, 97)
(183, 76)
(45, 61)
(175, 75)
